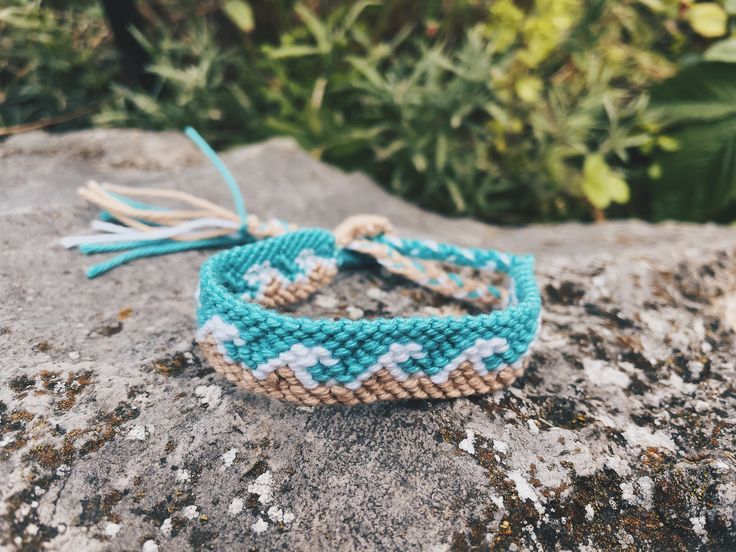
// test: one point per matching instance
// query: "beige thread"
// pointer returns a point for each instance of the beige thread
(283, 385)
(149, 219)
(361, 226)
(274, 295)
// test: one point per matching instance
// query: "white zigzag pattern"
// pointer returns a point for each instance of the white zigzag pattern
(261, 275)
(300, 358)
(221, 332)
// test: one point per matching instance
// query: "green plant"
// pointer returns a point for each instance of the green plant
(504, 110)
(56, 63)
(194, 87)
(698, 109)
(466, 127)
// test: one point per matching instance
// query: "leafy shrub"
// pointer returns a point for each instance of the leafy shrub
(503, 110)
(52, 62)
(699, 108)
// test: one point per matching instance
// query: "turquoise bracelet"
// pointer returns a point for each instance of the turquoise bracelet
(324, 361)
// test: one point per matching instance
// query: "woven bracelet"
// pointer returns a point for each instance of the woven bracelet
(322, 361)
(270, 264)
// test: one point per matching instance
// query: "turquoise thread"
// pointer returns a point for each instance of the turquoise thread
(205, 148)
(95, 248)
(139, 250)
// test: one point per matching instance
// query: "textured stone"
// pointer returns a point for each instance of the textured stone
(114, 434)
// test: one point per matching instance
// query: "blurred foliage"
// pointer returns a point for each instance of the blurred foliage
(506, 110)
(53, 61)
(699, 108)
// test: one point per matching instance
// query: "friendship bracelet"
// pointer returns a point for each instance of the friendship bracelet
(322, 361)
(270, 265)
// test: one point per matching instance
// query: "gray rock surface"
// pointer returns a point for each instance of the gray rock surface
(115, 435)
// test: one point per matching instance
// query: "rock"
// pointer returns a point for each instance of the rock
(621, 433)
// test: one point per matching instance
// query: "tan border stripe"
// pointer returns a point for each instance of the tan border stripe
(283, 385)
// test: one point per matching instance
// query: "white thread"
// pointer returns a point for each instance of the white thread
(221, 332)
(299, 358)
(396, 354)
(483, 348)
(151, 235)
(430, 244)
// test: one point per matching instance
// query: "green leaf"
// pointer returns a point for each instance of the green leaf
(698, 93)
(601, 184)
(388, 151)
(295, 51)
(708, 19)
(667, 143)
(366, 69)
(440, 154)
(730, 7)
(725, 50)
(699, 181)
(655, 5)
(355, 12)
(240, 13)
(420, 162)
(457, 196)
(700, 185)
(316, 27)
(529, 89)
(654, 171)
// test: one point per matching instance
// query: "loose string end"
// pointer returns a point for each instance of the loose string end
(134, 228)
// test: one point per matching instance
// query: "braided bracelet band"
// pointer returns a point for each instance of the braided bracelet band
(323, 361)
